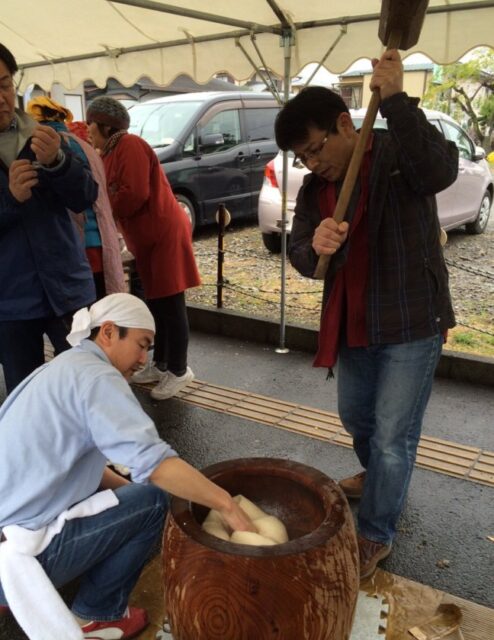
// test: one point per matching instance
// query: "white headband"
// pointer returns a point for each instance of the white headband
(124, 309)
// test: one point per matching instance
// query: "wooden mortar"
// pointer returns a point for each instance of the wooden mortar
(304, 589)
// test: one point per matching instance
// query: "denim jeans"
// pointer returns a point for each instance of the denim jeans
(383, 392)
(108, 550)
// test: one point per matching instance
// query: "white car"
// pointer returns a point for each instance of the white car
(466, 202)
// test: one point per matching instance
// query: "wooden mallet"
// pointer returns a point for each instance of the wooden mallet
(399, 28)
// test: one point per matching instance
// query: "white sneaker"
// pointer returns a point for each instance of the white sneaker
(150, 373)
(171, 384)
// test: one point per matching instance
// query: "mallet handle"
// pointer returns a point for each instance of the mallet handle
(355, 162)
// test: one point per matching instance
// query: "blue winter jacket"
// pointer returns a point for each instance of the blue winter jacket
(43, 266)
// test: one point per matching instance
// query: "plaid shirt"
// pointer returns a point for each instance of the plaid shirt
(407, 294)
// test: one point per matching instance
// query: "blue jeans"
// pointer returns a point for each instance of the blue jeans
(108, 550)
(383, 392)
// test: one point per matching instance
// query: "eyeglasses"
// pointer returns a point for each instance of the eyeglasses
(310, 155)
(7, 87)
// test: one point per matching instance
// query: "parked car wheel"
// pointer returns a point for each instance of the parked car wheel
(188, 207)
(483, 216)
(272, 242)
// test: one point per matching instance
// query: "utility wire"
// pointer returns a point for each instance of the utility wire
(468, 269)
(242, 291)
(244, 253)
(467, 326)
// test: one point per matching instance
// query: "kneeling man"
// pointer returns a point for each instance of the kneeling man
(57, 430)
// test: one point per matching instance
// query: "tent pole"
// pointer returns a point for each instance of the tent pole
(343, 31)
(262, 72)
(274, 89)
(197, 15)
(287, 41)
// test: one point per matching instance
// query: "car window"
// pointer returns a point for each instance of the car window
(225, 124)
(460, 138)
(161, 124)
(260, 123)
(190, 144)
(437, 124)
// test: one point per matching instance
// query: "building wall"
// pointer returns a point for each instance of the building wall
(74, 99)
(415, 83)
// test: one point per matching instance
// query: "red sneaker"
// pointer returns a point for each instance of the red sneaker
(133, 622)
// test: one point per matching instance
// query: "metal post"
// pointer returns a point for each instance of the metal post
(287, 42)
(265, 76)
(221, 255)
(343, 31)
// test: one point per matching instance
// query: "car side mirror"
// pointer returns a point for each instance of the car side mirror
(479, 154)
(212, 140)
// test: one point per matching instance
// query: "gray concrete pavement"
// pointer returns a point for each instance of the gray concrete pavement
(444, 519)
(457, 411)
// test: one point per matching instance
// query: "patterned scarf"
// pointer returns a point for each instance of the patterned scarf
(112, 142)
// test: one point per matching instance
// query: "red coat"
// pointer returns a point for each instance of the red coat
(154, 225)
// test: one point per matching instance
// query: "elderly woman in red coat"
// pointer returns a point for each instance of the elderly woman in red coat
(157, 232)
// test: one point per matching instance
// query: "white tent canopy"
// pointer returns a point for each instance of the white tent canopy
(72, 41)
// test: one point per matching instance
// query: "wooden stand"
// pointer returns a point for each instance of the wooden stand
(305, 589)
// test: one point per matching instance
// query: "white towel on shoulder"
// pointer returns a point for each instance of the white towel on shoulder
(32, 598)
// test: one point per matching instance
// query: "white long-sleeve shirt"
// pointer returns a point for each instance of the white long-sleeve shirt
(60, 426)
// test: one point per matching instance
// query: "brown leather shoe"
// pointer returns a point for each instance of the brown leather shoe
(352, 487)
(370, 554)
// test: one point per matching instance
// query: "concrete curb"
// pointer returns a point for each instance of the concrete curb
(456, 366)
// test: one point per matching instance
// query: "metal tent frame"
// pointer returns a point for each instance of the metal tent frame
(284, 27)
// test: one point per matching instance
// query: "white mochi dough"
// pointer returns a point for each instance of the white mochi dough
(251, 538)
(213, 517)
(272, 527)
(252, 510)
(217, 530)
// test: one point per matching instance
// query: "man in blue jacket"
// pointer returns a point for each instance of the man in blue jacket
(44, 273)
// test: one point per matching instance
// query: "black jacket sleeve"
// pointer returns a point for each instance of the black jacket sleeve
(427, 161)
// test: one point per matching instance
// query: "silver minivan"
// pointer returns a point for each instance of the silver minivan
(466, 202)
(213, 147)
